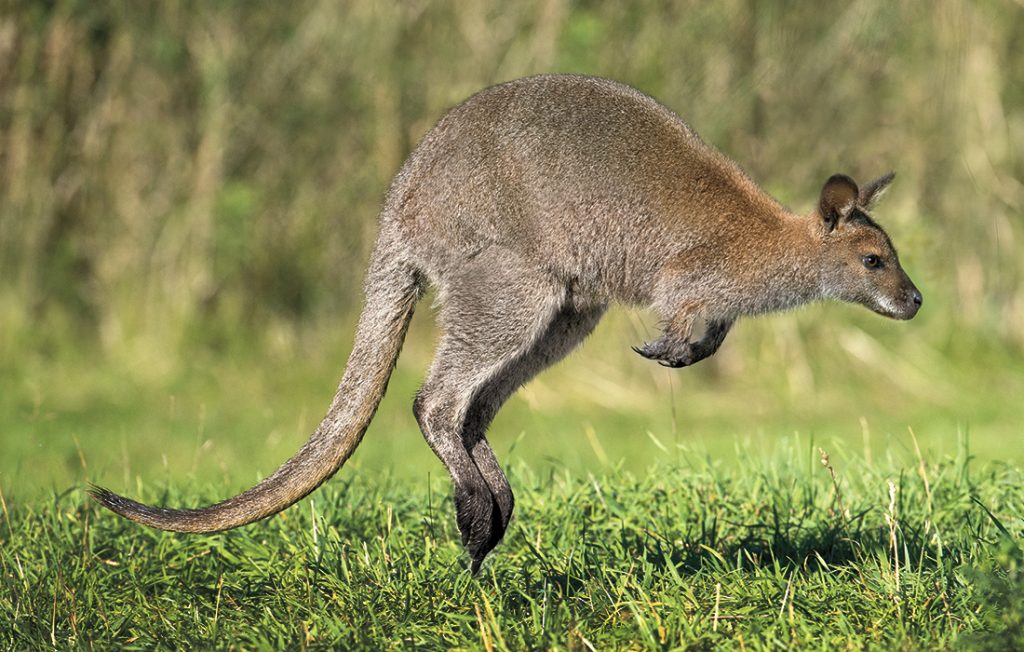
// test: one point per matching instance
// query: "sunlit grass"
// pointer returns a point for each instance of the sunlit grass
(777, 550)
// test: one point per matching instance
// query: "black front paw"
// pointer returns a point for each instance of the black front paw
(669, 352)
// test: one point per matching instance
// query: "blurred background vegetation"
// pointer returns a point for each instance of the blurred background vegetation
(188, 193)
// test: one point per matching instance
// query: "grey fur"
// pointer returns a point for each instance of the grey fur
(531, 207)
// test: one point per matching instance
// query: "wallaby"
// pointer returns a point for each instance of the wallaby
(531, 207)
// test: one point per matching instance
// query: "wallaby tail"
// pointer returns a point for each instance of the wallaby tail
(392, 288)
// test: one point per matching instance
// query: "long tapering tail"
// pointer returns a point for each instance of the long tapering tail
(392, 289)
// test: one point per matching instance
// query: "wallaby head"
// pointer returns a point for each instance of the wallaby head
(859, 263)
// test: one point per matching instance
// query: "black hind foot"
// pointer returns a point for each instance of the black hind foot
(480, 520)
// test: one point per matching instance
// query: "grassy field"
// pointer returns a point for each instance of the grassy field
(793, 549)
(657, 509)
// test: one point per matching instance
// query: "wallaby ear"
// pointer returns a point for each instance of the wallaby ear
(838, 199)
(870, 193)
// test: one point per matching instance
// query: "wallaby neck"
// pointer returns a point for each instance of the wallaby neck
(788, 264)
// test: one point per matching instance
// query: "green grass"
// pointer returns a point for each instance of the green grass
(737, 518)
(770, 552)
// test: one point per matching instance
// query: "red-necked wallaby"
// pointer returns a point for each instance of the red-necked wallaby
(530, 207)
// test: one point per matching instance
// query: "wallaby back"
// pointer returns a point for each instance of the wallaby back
(585, 177)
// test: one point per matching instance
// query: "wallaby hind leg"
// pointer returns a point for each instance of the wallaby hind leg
(566, 331)
(493, 312)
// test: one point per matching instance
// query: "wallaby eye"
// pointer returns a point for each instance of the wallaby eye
(871, 261)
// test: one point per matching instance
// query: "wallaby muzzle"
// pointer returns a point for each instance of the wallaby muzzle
(905, 305)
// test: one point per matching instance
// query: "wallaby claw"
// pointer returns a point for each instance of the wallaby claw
(669, 353)
(675, 354)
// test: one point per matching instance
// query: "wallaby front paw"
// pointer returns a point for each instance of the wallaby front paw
(669, 353)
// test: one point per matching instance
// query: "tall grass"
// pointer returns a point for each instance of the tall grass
(172, 164)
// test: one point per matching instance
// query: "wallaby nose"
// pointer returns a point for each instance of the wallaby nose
(914, 301)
